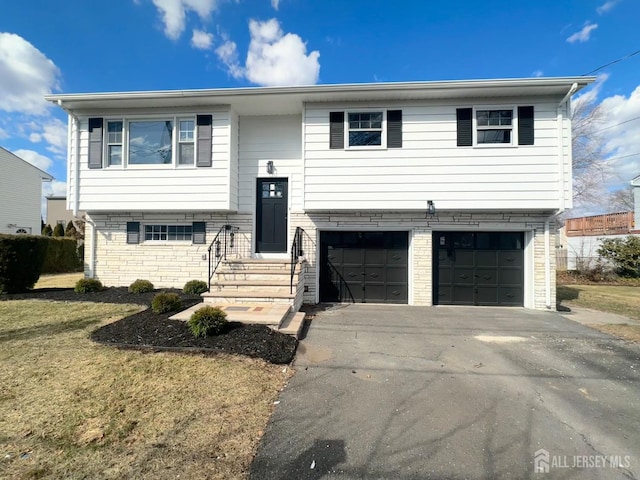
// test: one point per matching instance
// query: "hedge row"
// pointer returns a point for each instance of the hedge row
(24, 257)
(21, 259)
(62, 256)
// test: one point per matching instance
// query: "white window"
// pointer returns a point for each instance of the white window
(365, 129)
(494, 126)
(157, 142)
(114, 143)
(186, 147)
(168, 232)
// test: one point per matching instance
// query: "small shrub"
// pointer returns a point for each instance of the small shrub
(58, 231)
(141, 286)
(195, 287)
(165, 302)
(623, 253)
(207, 321)
(88, 285)
(21, 259)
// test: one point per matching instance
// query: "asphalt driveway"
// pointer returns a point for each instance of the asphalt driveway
(412, 392)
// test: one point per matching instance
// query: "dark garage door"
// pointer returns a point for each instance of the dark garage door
(478, 268)
(364, 267)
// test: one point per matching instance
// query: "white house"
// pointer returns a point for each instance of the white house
(20, 194)
(421, 193)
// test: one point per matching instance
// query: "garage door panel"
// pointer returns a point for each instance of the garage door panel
(479, 268)
(368, 266)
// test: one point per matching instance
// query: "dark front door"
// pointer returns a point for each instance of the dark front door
(271, 212)
(364, 267)
(478, 268)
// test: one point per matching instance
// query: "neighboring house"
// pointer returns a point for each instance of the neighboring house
(20, 195)
(59, 213)
(583, 236)
(420, 193)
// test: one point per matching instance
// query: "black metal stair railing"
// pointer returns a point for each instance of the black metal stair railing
(296, 253)
(224, 243)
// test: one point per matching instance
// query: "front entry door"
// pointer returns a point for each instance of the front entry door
(271, 213)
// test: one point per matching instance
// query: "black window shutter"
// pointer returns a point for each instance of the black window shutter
(133, 232)
(525, 126)
(204, 140)
(95, 142)
(465, 129)
(199, 232)
(336, 130)
(394, 129)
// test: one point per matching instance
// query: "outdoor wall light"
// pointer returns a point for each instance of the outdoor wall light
(431, 207)
(270, 167)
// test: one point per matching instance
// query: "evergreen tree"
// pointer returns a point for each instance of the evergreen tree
(58, 231)
(47, 230)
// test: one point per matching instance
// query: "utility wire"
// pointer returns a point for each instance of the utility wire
(617, 124)
(611, 63)
(621, 157)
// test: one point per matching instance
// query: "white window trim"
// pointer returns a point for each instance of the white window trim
(151, 118)
(514, 126)
(382, 146)
(165, 242)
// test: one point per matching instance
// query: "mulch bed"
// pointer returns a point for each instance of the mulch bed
(155, 332)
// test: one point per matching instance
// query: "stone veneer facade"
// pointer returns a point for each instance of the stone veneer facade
(172, 264)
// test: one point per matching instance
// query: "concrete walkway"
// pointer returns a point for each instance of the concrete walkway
(396, 392)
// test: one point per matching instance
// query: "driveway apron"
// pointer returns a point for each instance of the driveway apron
(398, 392)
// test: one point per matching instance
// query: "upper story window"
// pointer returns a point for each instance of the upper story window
(365, 129)
(494, 126)
(150, 142)
(171, 141)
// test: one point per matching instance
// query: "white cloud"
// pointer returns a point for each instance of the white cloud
(583, 35)
(35, 159)
(26, 74)
(35, 138)
(621, 131)
(606, 7)
(54, 133)
(275, 4)
(174, 13)
(228, 54)
(201, 39)
(275, 58)
(55, 188)
(538, 73)
(3, 134)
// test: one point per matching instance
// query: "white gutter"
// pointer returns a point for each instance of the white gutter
(76, 159)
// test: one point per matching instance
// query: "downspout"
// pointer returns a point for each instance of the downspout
(76, 159)
(561, 192)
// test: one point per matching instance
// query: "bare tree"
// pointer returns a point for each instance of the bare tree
(589, 169)
(622, 200)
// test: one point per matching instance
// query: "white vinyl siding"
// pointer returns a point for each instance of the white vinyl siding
(270, 138)
(430, 165)
(156, 187)
(20, 195)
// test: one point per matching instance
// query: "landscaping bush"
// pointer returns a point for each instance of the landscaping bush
(623, 253)
(47, 231)
(70, 230)
(88, 285)
(21, 259)
(141, 286)
(207, 321)
(195, 287)
(58, 231)
(166, 302)
(62, 256)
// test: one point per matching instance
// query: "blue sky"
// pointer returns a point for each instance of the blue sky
(79, 46)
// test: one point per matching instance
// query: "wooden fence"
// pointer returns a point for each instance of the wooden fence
(609, 224)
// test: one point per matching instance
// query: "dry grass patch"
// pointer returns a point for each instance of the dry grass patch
(59, 280)
(623, 300)
(72, 409)
(624, 331)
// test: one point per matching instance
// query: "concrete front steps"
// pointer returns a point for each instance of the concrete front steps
(257, 291)
(279, 317)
